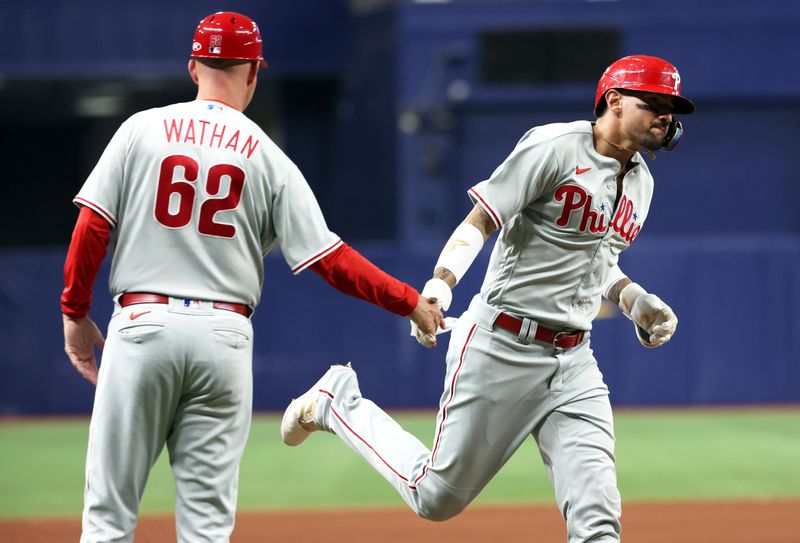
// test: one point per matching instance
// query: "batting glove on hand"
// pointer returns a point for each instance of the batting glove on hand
(427, 340)
(655, 322)
(439, 291)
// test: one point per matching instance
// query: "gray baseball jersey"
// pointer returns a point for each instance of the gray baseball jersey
(563, 228)
(201, 201)
(198, 194)
(554, 197)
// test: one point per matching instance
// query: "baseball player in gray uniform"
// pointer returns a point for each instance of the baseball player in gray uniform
(567, 201)
(192, 195)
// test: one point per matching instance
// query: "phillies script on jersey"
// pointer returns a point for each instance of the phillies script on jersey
(206, 133)
(577, 199)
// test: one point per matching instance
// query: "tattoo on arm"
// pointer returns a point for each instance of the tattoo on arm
(613, 293)
(445, 275)
(481, 220)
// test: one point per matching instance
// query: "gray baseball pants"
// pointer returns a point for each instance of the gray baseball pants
(175, 377)
(497, 392)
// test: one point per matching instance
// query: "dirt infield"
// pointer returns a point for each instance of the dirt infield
(685, 522)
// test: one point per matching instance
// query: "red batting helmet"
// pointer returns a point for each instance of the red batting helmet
(642, 73)
(228, 35)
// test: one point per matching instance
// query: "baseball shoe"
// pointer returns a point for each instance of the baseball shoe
(300, 419)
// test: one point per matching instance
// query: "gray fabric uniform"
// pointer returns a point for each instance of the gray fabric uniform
(554, 196)
(561, 237)
(198, 194)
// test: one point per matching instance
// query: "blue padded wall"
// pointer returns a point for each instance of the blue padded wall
(737, 342)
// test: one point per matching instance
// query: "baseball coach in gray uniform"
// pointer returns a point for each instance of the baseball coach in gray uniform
(191, 196)
(567, 201)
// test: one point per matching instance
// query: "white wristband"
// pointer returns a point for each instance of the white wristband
(436, 288)
(461, 250)
(628, 295)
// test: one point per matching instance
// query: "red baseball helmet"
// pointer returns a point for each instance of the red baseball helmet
(642, 73)
(228, 35)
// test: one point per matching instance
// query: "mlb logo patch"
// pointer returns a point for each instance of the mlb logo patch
(215, 50)
(192, 304)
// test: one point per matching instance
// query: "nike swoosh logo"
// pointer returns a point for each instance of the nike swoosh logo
(579, 171)
(134, 316)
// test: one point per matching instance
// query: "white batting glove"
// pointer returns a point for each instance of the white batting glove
(427, 340)
(654, 321)
(439, 291)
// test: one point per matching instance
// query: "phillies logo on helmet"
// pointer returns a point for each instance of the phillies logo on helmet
(677, 77)
(642, 73)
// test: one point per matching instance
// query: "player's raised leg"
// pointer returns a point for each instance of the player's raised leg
(334, 404)
(473, 437)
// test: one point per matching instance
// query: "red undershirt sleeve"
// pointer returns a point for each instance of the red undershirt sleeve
(348, 271)
(86, 253)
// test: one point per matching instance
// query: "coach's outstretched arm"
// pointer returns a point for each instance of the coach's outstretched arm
(654, 321)
(349, 272)
(455, 259)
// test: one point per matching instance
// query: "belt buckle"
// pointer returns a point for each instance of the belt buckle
(555, 338)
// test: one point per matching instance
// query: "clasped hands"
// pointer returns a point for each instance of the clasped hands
(437, 293)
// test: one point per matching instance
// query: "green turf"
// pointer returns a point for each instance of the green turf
(661, 455)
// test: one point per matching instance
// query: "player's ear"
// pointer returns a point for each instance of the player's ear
(613, 100)
(193, 70)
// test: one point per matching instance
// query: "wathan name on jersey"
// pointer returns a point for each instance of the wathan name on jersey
(208, 134)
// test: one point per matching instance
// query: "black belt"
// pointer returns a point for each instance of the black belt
(132, 298)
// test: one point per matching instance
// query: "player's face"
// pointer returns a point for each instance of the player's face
(649, 116)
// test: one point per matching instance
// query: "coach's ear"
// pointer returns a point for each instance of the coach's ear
(193, 70)
(252, 74)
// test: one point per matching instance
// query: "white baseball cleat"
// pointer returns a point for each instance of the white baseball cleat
(299, 418)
